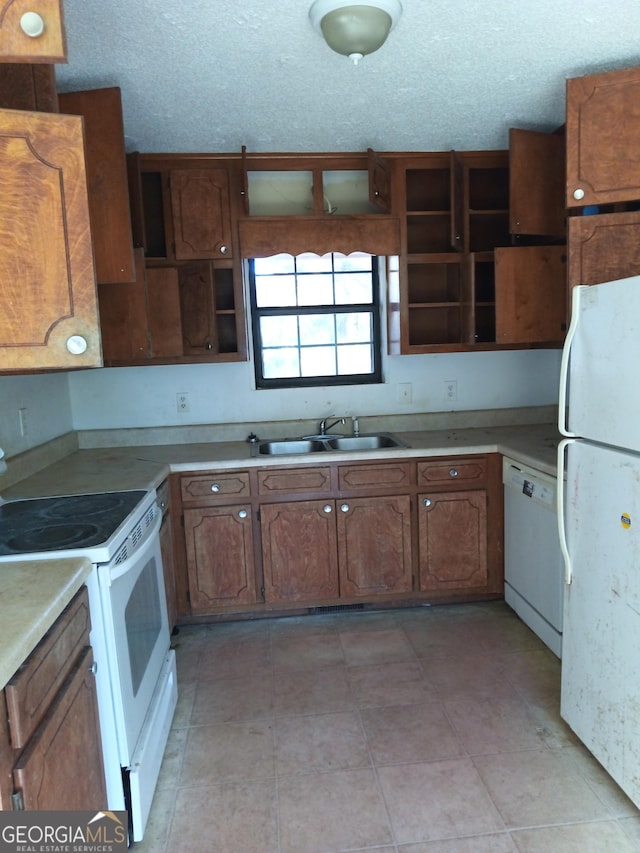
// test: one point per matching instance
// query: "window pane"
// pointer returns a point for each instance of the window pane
(275, 264)
(354, 359)
(317, 329)
(281, 363)
(318, 361)
(356, 261)
(354, 288)
(279, 331)
(353, 328)
(313, 263)
(315, 290)
(275, 291)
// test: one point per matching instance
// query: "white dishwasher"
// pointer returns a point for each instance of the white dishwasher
(533, 565)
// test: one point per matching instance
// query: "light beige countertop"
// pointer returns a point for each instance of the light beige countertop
(33, 593)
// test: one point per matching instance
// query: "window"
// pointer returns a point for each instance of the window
(316, 320)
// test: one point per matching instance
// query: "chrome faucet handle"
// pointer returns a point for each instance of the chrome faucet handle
(324, 427)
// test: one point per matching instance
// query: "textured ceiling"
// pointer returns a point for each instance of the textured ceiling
(213, 75)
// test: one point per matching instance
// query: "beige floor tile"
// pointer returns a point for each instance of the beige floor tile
(502, 843)
(493, 725)
(600, 837)
(410, 733)
(535, 674)
(186, 695)
(233, 700)
(320, 742)
(243, 656)
(631, 827)
(376, 646)
(401, 683)
(158, 823)
(534, 788)
(231, 818)
(172, 760)
(466, 675)
(314, 692)
(332, 812)
(578, 759)
(306, 651)
(437, 800)
(228, 752)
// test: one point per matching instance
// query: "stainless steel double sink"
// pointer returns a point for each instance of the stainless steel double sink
(323, 443)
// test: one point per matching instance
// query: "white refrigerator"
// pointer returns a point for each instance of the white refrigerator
(599, 524)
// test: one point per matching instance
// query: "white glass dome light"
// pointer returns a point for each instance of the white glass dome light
(355, 28)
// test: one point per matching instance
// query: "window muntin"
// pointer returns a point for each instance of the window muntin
(316, 319)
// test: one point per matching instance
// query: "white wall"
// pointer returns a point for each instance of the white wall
(146, 396)
(45, 397)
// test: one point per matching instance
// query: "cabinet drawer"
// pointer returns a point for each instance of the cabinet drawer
(385, 475)
(455, 469)
(35, 685)
(212, 488)
(289, 480)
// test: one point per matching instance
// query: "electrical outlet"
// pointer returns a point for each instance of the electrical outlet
(451, 390)
(182, 402)
(405, 392)
(22, 419)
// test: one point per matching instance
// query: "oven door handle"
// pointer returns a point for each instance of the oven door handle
(140, 553)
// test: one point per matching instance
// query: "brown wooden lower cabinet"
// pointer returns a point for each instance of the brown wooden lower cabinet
(292, 537)
(452, 535)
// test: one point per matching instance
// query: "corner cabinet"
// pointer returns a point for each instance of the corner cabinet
(293, 537)
(48, 299)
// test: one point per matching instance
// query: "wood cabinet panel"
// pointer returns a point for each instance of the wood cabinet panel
(454, 470)
(62, 768)
(537, 183)
(374, 545)
(17, 46)
(603, 123)
(299, 551)
(292, 480)
(24, 86)
(163, 303)
(32, 689)
(385, 474)
(124, 320)
(215, 487)
(219, 542)
(531, 294)
(201, 213)
(48, 292)
(603, 248)
(452, 534)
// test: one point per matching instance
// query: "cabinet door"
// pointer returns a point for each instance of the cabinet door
(452, 534)
(603, 126)
(109, 209)
(62, 768)
(198, 308)
(603, 248)
(374, 545)
(220, 560)
(536, 183)
(380, 180)
(24, 86)
(163, 301)
(48, 300)
(124, 319)
(16, 45)
(201, 213)
(299, 551)
(531, 294)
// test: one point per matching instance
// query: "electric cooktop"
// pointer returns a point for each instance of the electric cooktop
(71, 522)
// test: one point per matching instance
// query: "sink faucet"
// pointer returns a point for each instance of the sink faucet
(324, 427)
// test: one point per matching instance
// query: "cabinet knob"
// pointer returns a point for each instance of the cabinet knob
(32, 24)
(453, 473)
(345, 507)
(76, 344)
(215, 487)
(224, 250)
(578, 194)
(427, 501)
(242, 513)
(93, 668)
(327, 508)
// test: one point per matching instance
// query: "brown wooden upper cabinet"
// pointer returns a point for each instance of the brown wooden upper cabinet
(603, 128)
(201, 209)
(106, 160)
(32, 31)
(48, 300)
(536, 183)
(380, 180)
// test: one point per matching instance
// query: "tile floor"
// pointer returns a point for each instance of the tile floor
(427, 730)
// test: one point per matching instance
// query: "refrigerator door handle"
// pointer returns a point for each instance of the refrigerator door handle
(564, 363)
(560, 499)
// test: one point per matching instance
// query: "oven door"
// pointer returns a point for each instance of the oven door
(136, 628)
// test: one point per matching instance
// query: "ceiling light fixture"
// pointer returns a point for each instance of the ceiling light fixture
(355, 28)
